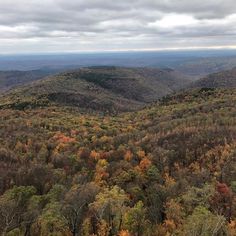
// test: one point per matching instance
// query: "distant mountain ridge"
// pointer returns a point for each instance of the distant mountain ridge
(223, 79)
(100, 88)
(12, 79)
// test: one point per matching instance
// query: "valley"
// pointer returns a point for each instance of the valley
(134, 151)
(117, 118)
(105, 89)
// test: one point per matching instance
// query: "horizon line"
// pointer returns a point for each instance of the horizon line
(172, 49)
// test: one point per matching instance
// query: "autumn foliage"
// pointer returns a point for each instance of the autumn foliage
(168, 169)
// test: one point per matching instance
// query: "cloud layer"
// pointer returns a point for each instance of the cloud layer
(87, 25)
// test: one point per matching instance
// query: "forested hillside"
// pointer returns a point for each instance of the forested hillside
(168, 169)
(223, 79)
(12, 79)
(204, 66)
(105, 89)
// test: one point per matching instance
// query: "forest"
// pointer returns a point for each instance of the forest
(167, 169)
(117, 118)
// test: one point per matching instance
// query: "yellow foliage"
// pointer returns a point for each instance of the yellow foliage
(103, 163)
(141, 154)
(101, 173)
(195, 167)
(169, 181)
(105, 139)
(103, 228)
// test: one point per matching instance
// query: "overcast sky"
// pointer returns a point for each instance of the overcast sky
(95, 25)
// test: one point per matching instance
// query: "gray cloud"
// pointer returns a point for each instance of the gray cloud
(80, 25)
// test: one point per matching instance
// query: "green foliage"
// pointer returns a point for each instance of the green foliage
(233, 186)
(109, 205)
(21, 194)
(203, 223)
(135, 219)
(195, 197)
(51, 220)
(13, 206)
(56, 193)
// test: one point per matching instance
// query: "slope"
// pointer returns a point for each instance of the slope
(223, 79)
(108, 89)
(12, 79)
(170, 168)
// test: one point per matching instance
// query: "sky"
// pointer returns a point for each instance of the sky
(44, 26)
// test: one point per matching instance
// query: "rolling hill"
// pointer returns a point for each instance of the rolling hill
(203, 66)
(223, 79)
(12, 79)
(108, 89)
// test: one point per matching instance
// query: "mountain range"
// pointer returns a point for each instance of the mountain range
(106, 89)
(99, 88)
(114, 150)
(12, 79)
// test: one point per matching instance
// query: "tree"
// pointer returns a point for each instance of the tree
(52, 222)
(154, 202)
(135, 219)
(101, 171)
(109, 206)
(222, 201)
(76, 204)
(128, 155)
(203, 223)
(13, 205)
(197, 197)
(34, 209)
(8, 215)
(174, 215)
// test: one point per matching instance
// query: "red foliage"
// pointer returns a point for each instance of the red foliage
(61, 138)
(223, 189)
(222, 200)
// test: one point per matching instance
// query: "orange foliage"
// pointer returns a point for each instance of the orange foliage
(128, 155)
(169, 181)
(170, 225)
(174, 212)
(101, 173)
(145, 164)
(232, 227)
(124, 233)
(94, 155)
(61, 138)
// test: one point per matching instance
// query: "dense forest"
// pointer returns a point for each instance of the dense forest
(12, 79)
(222, 79)
(109, 89)
(167, 169)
